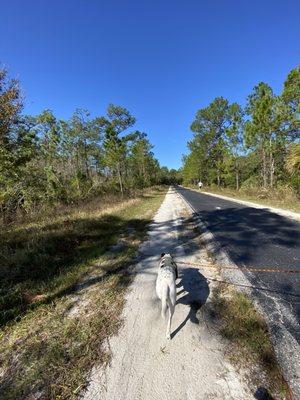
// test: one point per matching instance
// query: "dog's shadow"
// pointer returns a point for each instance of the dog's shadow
(196, 291)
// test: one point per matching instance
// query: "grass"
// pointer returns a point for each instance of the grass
(45, 350)
(247, 332)
(284, 198)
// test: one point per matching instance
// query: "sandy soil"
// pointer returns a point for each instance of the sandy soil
(144, 365)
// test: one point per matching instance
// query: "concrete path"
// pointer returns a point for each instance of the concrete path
(144, 365)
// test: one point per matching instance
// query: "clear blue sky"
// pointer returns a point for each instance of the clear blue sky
(161, 59)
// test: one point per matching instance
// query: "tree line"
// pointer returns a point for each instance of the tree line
(255, 146)
(45, 160)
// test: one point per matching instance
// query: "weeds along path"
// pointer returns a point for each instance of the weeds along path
(62, 290)
(143, 364)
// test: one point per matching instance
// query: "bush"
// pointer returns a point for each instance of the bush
(251, 183)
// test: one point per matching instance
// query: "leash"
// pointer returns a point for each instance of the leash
(246, 269)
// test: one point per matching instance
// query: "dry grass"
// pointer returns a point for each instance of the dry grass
(248, 339)
(284, 197)
(43, 350)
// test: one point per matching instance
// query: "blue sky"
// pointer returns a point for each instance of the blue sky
(161, 59)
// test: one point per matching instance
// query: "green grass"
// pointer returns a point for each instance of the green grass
(284, 199)
(43, 349)
(248, 335)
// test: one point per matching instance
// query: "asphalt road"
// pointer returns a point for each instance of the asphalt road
(258, 238)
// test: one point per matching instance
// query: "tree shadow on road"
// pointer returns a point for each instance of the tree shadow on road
(248, 233)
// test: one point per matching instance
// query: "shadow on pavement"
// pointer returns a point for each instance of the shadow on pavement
(196, 290)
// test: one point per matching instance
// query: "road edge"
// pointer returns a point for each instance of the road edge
(279, 337)
(280, 211)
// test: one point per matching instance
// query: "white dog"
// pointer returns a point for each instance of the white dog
(166, 287)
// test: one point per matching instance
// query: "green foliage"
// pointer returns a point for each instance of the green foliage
(293, 159)
(170, 177)
(214, 148)
(232, 147)
(45, 161)
(10, 106)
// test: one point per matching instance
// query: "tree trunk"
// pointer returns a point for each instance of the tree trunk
(77, 169)
(144, 175)
(237, 179)
(272, 169)
(218, 177)
(264, 169)
(87, 171)
(237, 174)
(120, 181)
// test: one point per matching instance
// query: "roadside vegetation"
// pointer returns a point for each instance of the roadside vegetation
(70, 190)
(62, 293)
(249, 343)
(284, 197)
(252, 151)
(47, 162)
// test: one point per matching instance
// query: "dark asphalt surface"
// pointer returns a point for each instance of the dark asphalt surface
(259, 239)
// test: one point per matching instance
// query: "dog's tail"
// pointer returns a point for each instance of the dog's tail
(164, 302)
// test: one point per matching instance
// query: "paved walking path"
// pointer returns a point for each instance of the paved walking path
(144, 365)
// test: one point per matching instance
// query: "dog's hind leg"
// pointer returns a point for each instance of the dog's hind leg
(164, 302)
(171, 305)
(171, 312)
(172, 295)
(164, 307)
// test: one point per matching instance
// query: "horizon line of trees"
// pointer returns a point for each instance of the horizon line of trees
(255, 146)
(45, 160)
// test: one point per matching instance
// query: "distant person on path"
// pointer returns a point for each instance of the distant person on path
(200, 184)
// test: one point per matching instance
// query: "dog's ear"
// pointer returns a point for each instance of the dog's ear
(162, 254)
